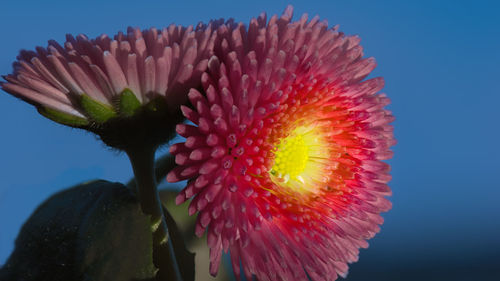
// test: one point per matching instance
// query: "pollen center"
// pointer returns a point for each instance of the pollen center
(290, 157)
(300, 160)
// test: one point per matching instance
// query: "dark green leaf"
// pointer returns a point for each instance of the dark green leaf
(114, 240)
(94, 231)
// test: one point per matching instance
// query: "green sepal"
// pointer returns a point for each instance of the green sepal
(62, 117)
(128, 103)
(98, 111)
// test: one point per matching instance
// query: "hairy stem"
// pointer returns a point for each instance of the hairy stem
(142, 160)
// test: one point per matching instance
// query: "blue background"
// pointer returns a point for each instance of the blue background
(441, 63)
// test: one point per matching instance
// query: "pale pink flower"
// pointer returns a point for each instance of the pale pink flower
(86, 82)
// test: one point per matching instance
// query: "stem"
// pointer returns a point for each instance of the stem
(162, 166)
(163, 252)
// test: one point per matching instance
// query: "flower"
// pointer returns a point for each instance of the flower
(283, 159)
(100, 84)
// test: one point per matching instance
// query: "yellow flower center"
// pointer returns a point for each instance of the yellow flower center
(297, 159)
(290, 157)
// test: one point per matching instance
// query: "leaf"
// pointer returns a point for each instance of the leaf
(114, 240)
(93, 231)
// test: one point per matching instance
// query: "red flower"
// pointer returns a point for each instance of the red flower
(284, 163)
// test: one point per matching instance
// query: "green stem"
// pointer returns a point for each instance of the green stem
(163, 253)
(162, 166)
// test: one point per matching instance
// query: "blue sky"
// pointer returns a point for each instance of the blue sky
(439, 59)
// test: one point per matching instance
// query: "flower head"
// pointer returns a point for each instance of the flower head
(100, 84)
(283, 161)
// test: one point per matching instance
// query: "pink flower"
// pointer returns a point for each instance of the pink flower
(87, 82)
(284, 159)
